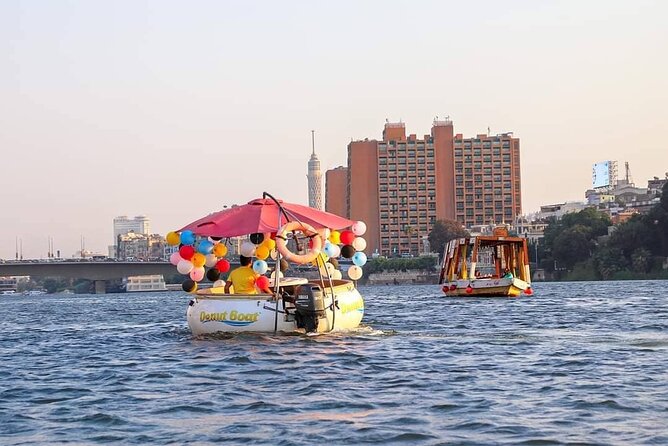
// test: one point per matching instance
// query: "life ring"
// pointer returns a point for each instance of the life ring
(281, 242)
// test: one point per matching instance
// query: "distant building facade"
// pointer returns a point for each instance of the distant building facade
(139, 225)
(336, 191)
(133, 246)
(401, 185)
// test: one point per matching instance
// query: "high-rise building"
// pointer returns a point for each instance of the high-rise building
(336, 187)
(401, 185)
(314, 179)
(123, 225)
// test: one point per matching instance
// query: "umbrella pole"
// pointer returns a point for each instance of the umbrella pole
(277, 266)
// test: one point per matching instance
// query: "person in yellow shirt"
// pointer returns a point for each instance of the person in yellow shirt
(242, 278)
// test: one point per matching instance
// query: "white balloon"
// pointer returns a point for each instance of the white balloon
(273, 275)
(336, 275)
(218, 283)
(273, 254)
(354, 272)
(247, 249)
(359, 244)
(336, 251)
(184, 266)
(359, 228)
(211, 260)
(324, 233)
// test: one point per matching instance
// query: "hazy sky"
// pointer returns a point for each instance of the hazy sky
(174, 109)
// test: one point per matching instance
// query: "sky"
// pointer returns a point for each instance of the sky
(174, 109)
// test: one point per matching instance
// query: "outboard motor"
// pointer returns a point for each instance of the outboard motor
(310, 307)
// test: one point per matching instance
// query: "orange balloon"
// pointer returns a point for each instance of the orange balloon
(198, 259)
(262, 252)
(220, 250)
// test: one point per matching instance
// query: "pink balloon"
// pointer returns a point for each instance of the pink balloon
(175, 258)
(197, 274)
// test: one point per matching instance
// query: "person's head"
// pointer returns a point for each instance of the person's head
(244, 261)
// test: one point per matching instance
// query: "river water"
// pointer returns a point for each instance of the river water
(577, 363)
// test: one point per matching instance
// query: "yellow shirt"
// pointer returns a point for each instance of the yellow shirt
(243, 280)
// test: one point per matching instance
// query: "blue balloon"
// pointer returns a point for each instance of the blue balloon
(359, 258)
(260, 266)
(187, 237)
(329, 249)
(205, 247)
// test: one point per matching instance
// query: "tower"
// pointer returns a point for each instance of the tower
(314, 178)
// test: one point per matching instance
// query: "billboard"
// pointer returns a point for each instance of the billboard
(600, 176)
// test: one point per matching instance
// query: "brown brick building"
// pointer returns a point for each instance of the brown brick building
(401, 185)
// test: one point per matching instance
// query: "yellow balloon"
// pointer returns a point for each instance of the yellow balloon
(198, 259)
(219, 250)
(262, 252)
(194, 290)
(335, 237)
(269, 243)
(173, 238)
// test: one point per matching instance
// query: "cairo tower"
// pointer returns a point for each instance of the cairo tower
(314, 179)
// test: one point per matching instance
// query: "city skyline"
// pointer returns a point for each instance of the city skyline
(174, 112)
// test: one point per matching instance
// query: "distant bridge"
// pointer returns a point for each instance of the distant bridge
(98, 272)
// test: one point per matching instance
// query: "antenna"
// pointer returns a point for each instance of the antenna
(313, 140)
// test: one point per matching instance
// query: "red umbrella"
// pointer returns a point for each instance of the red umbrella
(261, 215)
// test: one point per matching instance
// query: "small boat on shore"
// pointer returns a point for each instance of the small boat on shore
(494, 265)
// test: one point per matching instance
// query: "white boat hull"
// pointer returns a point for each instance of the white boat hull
(215, 313)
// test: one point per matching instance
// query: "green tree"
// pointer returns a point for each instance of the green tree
(572, 245)
(442, 232)
(608, 261)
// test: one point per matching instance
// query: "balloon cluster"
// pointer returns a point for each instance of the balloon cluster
(192, 258)
(348, 244)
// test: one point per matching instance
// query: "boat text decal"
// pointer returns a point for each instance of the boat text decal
(233, 318)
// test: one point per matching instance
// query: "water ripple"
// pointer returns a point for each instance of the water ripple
(577, 363)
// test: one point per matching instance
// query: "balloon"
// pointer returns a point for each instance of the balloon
(173, 238)
(262, 282)
(211, 260)
(257, 238)
(335, 237)
(284, 265)
(337, 251)
(186, 252)
(269, 243)
(347, 251)
(273, 275)
(359, 244)
(354, 272)
(273, 254)
(347, 237)
(223, 266)
(329, 249)
(197, 274)
(175, 258)
(184, 266)
(359, 258)
(247, 249)
(261, 252)
(189, 286)
(336, 275)
(320, 259)
(215, 240)
(205, 247)
(334, 262)
(218, 283)
(187, 237)
(198, 260)
(220, 250)
(213, 274)
(260, 266)
(359, 228)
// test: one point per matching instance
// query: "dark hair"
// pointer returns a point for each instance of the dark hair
(245, 261)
